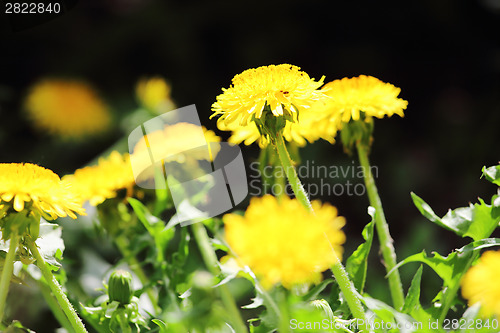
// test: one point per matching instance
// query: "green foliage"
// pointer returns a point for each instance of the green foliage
(357, 263)
(492, 174)
(476, 221)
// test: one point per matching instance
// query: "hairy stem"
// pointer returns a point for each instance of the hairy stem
(346, 286)
(386, 242)
(56, 289)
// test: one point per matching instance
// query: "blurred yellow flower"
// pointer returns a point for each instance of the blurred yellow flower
(284, 88)
(349, 97)
(282, 242)
(480, 284)
(173, 141)
(102, 181)
(68, 109)
(154, 94)
(36, 189)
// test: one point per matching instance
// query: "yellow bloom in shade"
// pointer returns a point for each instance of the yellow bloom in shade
(283, 88)
(349, 97)
(282, 242)
(480, 284)
(99, 182)
(154, 93)
(38, 190)
(68, 109)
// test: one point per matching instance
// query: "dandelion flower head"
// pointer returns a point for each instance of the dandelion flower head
(282, 242)
(352, 97)
(154, 93)
(67, 109)
(38, 190)
(99, 182)
(283, 88)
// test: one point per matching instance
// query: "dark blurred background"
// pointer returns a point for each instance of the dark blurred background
(444, 55)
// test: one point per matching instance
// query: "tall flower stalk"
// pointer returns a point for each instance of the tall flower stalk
(264, 104)
(351, 107)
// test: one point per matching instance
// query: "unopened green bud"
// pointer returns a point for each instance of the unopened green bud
(120, 287)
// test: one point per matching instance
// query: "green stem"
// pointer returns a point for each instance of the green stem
(386, 242)
(54, 306)
(291, 174)
(348, 290)
(210, 259)
(338, 269)
(136, 267)
(8, 267)
(61, 298)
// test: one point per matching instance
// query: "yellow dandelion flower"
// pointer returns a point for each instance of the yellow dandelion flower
(480, 284)
(38, 190)
(283, 88)
(154, 93)
(282, 242)
(68, 109)
(349, 97)
(99, 182)
(173, 141)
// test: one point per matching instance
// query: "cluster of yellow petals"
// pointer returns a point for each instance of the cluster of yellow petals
(282, 242)
(284, 88)
(350, 97)
(99, 182)
(480, 284)
(173, 142)
(38, 190)
(68, 109)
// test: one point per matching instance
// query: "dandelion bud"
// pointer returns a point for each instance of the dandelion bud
(120, 287)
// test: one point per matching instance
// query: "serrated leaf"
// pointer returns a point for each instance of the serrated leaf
(357, 263)
(450, 266)
(492, 174)
(477, 221)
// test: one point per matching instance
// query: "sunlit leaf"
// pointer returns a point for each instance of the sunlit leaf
(357, 263)
(492, 174)
(477, 221)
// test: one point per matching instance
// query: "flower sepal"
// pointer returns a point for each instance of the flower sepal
(357, 132)
(20, 223)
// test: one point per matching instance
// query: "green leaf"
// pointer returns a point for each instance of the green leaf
(492, 174)
(357, 263)
(156, 227)
(412, 304)
(386, 314)
(449, 267)
(412, 300)
(477, 221)
(316, 290)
